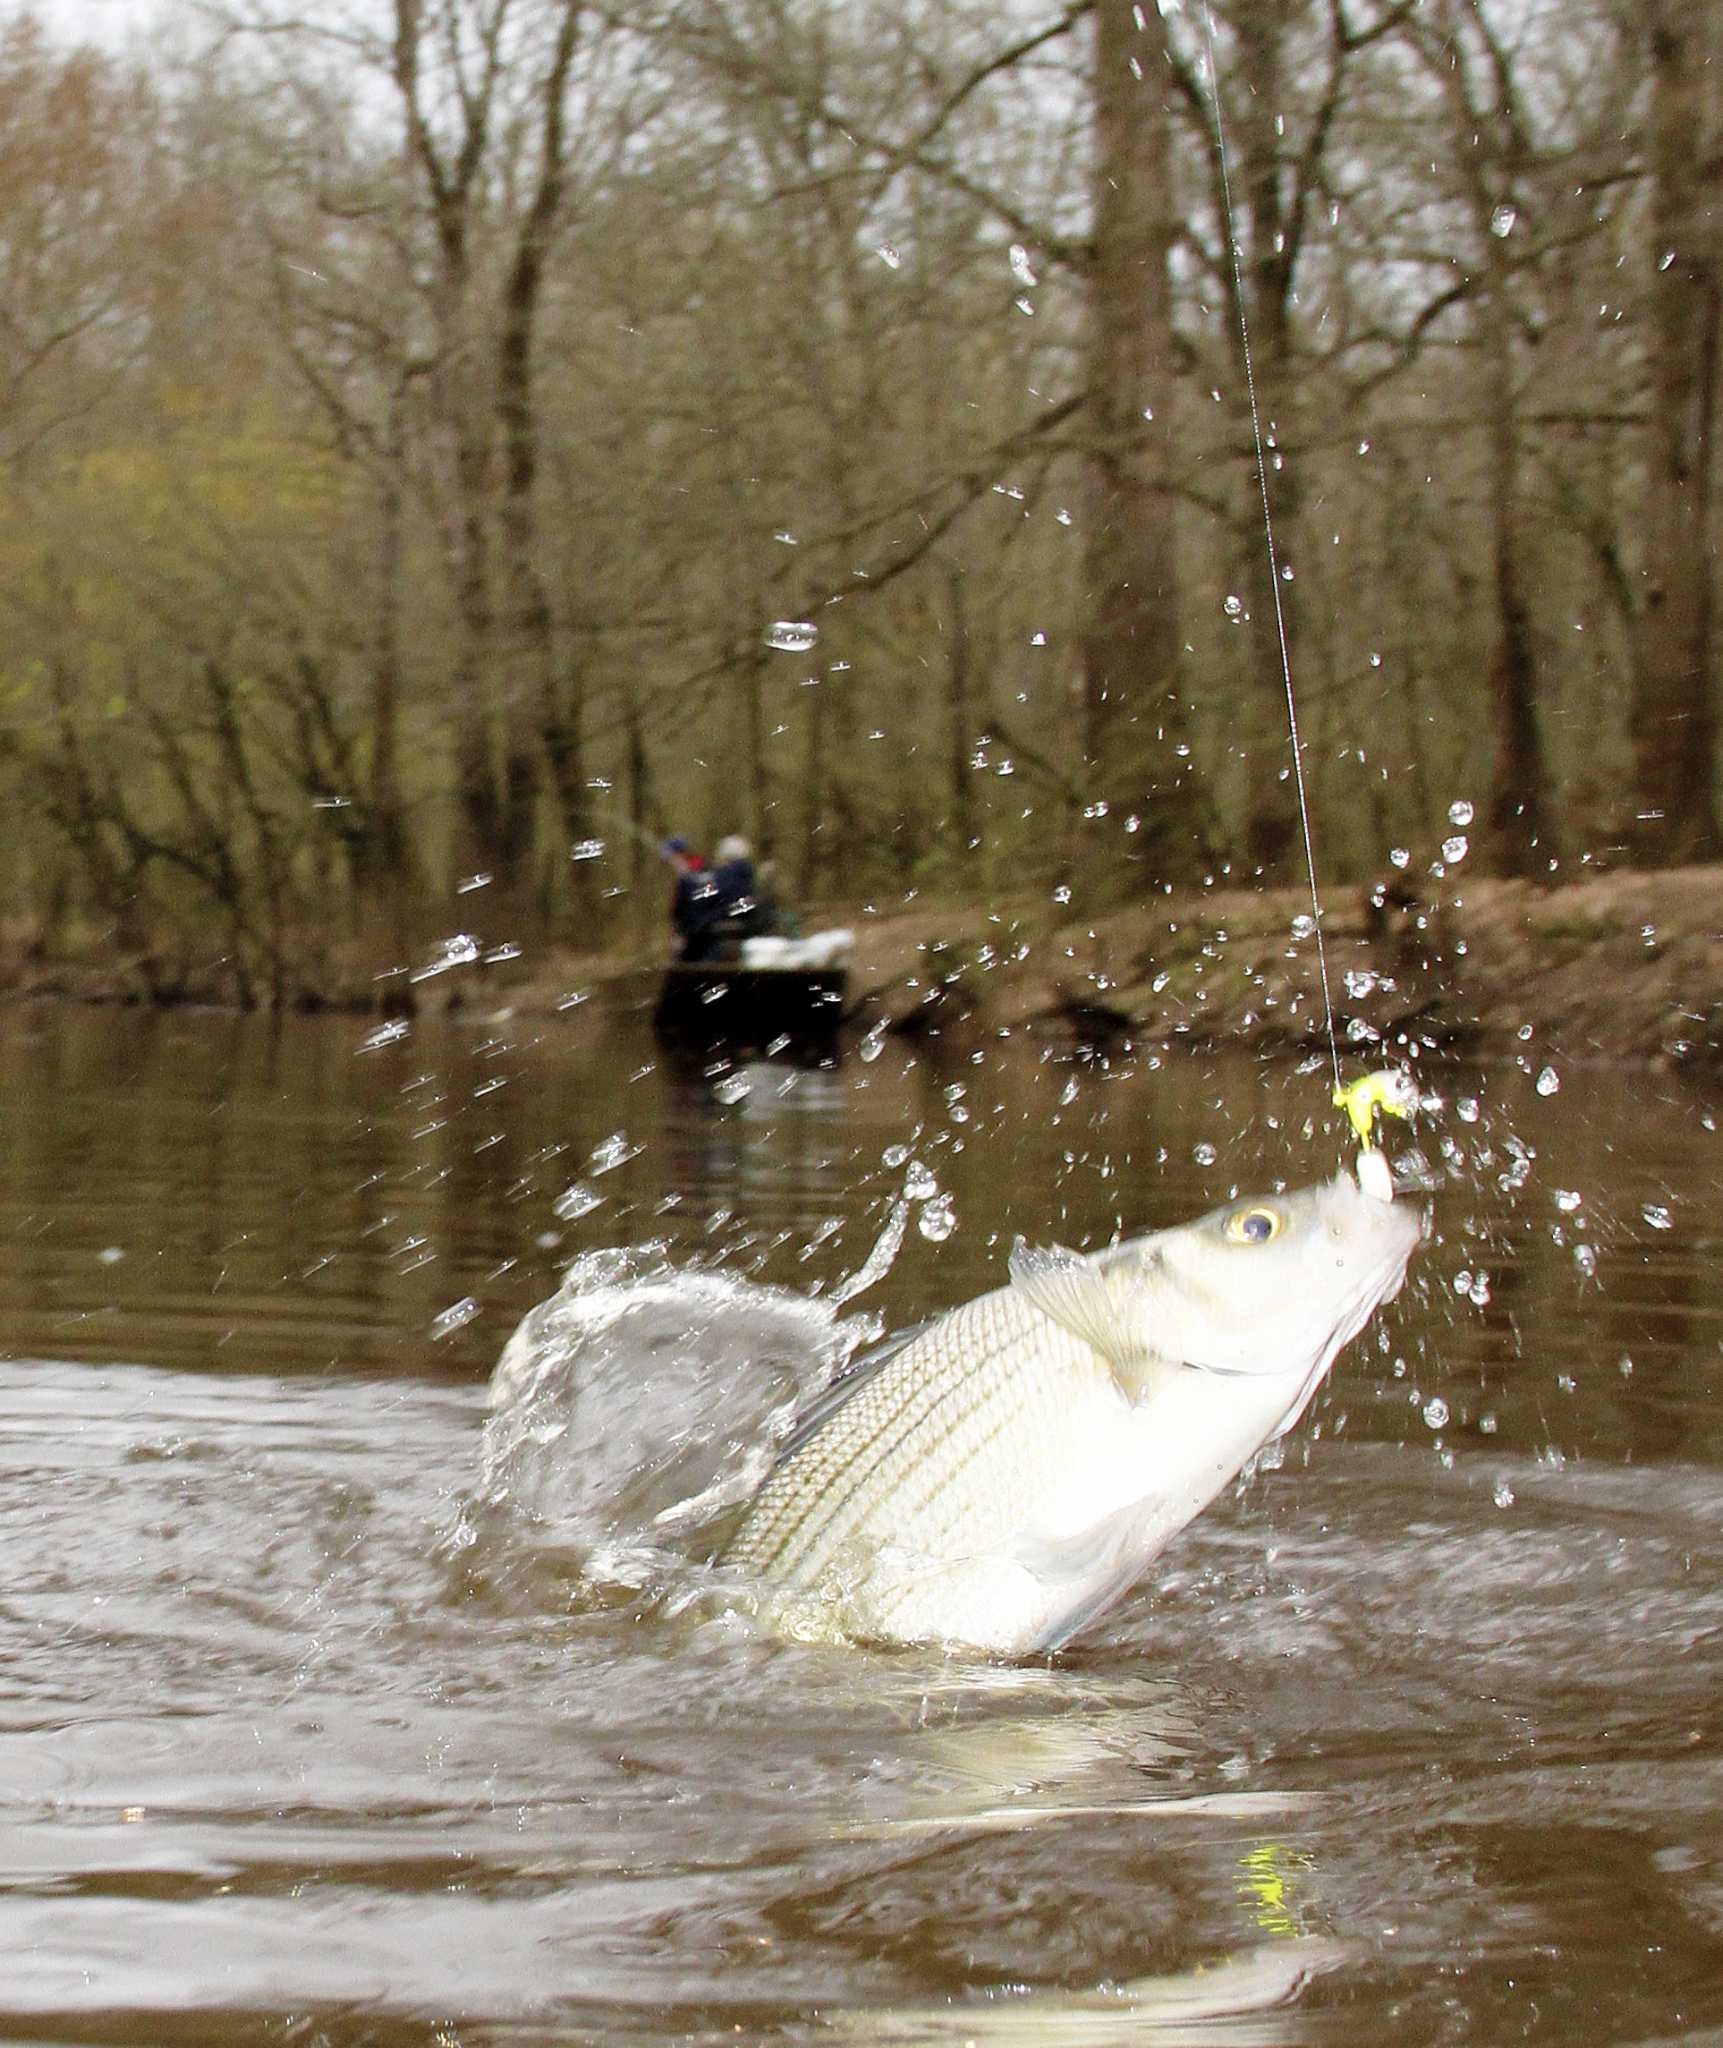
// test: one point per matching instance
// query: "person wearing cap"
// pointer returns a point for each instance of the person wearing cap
(695, 908)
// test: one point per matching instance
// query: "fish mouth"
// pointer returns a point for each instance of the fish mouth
(1400, 1229)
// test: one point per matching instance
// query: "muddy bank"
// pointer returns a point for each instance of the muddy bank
(1614, 966)
(1617, 966)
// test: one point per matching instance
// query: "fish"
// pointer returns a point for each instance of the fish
(1002, 1476)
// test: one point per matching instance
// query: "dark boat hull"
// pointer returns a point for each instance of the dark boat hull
(751, 1009)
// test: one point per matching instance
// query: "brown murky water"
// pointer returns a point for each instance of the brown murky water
(1417, 1737)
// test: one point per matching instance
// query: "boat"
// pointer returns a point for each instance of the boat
(776, 995)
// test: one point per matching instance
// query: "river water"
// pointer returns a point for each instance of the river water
(1418, 1735)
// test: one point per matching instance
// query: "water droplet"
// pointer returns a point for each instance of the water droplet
(1503, 1495)
(1286, 572)
(586, 849)
(1657, 1216)
(1234, 606)
(1359, 982)
(1204, 1154)
(729, 1088)
(1063, 516)
(1502, 221)
(575, 1202)
(895, 1155)
(614, 1152)
(1436, 1412)
(1399, 857)
(1460, 812)
(919, 1184)
(1666, 259)
(1021, 268)
(938, 1219)
(456, 1316)
(391, 1033)
(1364, 447)
(792, 636)
(1548, 1082)
(1303, 925)
(472, 882)
(888, 255)
(110, 1255)
(1567, 1200)
(1455, 849)
(1466, 1109)
(460, 951)
(1585, 1258)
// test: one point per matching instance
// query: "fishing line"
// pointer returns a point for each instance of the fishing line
(1274, 577)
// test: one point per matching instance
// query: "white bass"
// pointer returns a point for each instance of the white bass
(1008, 1472)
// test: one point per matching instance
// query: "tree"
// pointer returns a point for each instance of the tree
(79, 192)
(1674, 719)
(1495, 156)
(1133, 712)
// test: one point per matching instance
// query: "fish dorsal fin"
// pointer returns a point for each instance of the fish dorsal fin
(1079, 1296)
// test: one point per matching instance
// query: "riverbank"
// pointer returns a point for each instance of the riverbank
(1615, 966)
(1621, 966)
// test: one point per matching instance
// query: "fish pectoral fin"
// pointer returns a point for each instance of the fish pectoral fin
(1099, 1550)
(1074, 1293)
(1096, 1564)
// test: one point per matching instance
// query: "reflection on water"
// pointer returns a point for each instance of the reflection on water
(1417, 1737)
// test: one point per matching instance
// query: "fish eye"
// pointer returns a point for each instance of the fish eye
(1253, 1226)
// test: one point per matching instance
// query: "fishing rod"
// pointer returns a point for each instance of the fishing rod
(652, 841)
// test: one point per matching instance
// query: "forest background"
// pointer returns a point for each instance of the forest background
(447, 444)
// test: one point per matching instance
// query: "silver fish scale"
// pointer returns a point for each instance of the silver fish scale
(983, 1394)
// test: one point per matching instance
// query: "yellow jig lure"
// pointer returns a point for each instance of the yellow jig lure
(1389, 1092)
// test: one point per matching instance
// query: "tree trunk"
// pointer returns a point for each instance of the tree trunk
(537, 699)
(382, 866)
(960, 732)
(1673, 722)
(1267, 258)
(1519, 791)
(751, 681)
(1133, 719)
